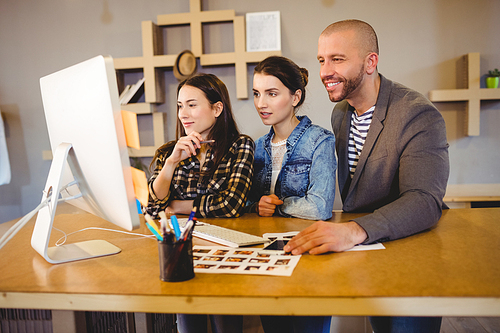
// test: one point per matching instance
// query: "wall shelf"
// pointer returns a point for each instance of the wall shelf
(472, 95)
(153, 63)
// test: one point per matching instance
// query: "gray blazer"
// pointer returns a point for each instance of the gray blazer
(403, 169)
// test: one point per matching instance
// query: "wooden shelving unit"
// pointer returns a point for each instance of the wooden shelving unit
(472, 95)
(153, 62)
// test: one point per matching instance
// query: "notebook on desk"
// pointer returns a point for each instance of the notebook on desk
(221, 235)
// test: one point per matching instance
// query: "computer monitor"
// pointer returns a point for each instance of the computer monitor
(88, 145)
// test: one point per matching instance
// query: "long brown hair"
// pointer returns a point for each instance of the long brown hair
(224, 132)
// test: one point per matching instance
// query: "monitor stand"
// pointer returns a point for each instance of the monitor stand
(43, 226)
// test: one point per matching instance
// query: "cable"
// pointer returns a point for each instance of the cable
(65, 237)
(22, 222)
(19, 224)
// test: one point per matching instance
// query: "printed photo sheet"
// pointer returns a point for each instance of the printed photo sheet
(255, 261)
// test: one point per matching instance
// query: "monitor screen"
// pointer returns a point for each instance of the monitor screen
(88, 144)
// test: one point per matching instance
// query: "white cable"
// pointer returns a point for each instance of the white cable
(76, 196)
(22, 222)
(19, 224)
(96, 228)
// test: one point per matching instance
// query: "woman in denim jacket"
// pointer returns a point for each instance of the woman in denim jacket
(294, 164)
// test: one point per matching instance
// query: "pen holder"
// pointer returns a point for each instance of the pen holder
(176, 261)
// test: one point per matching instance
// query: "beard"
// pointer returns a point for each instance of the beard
(350, 85)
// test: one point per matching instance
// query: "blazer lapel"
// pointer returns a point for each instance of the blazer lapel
(342, 144)
(376, 126)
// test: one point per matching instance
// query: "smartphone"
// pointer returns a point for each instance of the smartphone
(277, 244)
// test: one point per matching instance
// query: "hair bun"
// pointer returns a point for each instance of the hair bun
(305, 75)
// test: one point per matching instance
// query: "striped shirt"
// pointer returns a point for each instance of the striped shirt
(357, 136)
(224, 194)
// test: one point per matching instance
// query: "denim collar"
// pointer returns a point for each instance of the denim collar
(296, 134)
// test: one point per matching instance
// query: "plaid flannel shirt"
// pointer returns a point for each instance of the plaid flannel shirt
(224, 194)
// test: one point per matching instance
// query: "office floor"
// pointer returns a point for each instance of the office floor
(470, 324)
(251, 324)
(15, 320)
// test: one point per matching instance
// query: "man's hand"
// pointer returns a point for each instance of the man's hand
(267, 205)
(322, 237)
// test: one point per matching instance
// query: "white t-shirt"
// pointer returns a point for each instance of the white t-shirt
(278, 150)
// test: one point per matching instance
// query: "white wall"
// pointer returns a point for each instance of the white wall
(420, 43)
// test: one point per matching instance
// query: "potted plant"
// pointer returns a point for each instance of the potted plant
(493, 78)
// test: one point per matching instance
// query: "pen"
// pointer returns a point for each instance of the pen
(185, 232)
(189, 224)
(175, 224)
(189, 229)
(192, 229)
(207, 141)
(191, 216)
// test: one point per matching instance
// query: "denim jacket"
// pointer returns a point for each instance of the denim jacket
(306, 182)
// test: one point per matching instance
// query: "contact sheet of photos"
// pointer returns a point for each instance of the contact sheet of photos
(256, 261)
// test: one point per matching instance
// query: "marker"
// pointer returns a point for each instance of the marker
(164, 222)
(152, 227)
(152, 223)
(158, 236)
(175, 224)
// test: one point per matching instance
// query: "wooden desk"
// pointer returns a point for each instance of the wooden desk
(462, 195)
(451, 270)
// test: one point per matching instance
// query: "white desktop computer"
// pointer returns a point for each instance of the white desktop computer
(90, 167)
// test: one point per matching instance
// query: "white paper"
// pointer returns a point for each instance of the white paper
(243, 260)
(290, 234)
(376, 246)
(263, 31)
(5, 174)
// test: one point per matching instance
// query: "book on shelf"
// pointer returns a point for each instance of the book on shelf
(130, 91)
(124, 92)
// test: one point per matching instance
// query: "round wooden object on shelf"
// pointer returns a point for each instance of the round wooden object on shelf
(185, 65)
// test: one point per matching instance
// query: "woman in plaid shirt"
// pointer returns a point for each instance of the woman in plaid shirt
(214, 177)
(209, 167)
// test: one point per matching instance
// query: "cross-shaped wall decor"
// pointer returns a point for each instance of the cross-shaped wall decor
(153, 62)
(472, 95)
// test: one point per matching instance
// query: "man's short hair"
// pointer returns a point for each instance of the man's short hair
(367, 37)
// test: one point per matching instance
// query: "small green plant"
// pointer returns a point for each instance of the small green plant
(494, 73)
